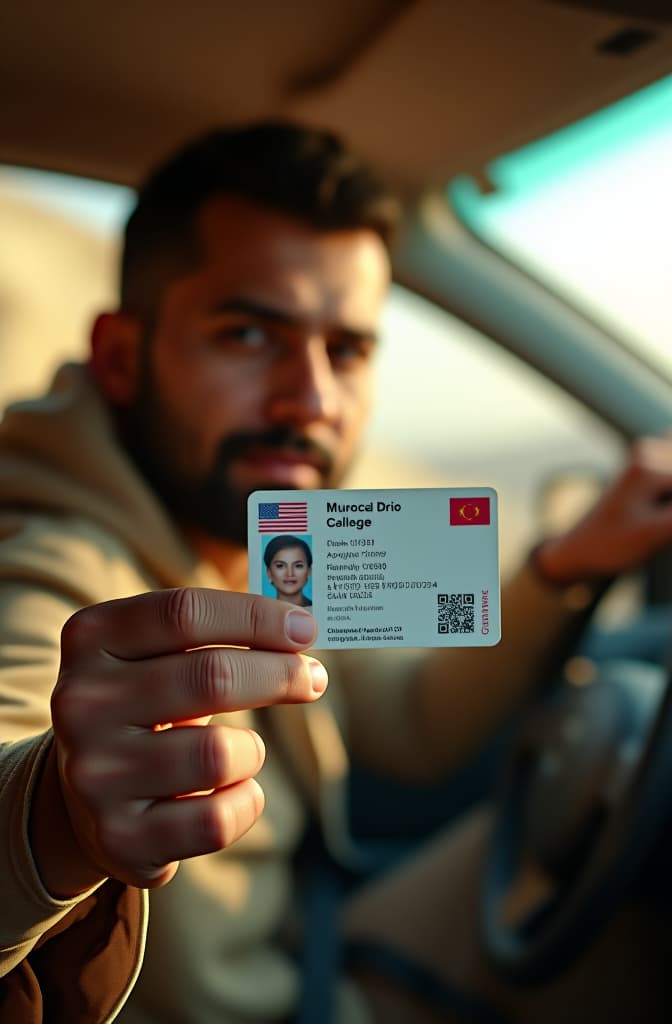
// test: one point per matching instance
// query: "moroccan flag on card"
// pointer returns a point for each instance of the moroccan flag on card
(283, 517)
(469, 511)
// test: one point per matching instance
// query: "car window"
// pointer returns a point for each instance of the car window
(452, 406)
(464, 410)
(589, 211)
(57, 269)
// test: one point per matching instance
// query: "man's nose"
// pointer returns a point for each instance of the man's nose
(304, 385)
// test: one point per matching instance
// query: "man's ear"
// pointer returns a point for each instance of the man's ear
(116, 339)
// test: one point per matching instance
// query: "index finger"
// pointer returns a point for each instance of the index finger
(167, 621)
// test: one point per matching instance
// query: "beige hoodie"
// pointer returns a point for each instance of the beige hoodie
(78, 526)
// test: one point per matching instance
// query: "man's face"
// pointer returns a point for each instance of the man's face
(258, 373)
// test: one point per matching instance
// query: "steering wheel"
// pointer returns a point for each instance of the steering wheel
(584, 796)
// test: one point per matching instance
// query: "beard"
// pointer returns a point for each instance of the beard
(159, 444)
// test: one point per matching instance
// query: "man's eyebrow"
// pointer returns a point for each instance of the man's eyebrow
(275, 314)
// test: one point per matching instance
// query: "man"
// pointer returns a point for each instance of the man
(254, 272)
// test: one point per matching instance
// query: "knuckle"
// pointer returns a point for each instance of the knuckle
(227, 823)
(254, 619)
(222, 823)
(215, 755)
(61, 707)
(78, 631)
(225, 819)
(212, 678)
(181, 610)
(294, 675)
(80, 705)
(227, 683)
(85, 777)
(210, 675)
(69, 708)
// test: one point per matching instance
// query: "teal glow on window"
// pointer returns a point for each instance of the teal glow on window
(589, 211)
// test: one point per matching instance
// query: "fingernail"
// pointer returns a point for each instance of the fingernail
(300, 627)
(318, 675)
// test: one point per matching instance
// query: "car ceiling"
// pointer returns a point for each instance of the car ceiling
(426, 88)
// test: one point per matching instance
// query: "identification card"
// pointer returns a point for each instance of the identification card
(382, 568)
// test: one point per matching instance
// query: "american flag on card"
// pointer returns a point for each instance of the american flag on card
(283, 516)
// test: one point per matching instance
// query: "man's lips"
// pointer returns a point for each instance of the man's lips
(290, 456)
(283, 463)
(278, 456)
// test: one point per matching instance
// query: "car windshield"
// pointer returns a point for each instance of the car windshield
(588, 210)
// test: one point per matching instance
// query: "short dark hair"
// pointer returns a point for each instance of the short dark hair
(288, 167)
(286, 541)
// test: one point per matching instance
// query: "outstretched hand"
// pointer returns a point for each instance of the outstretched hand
(138, 793)
(629, 523)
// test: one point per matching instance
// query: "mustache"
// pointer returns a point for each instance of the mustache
(279, 438)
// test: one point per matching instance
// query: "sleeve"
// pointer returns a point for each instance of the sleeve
(28, 911)
(54, 954)
(416, 715)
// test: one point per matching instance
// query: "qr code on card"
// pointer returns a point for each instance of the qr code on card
(455, 613)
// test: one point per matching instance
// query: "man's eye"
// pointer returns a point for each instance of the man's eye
(350, 351)
(248, 336)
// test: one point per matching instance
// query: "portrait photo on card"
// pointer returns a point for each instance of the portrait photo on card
(287, 568)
